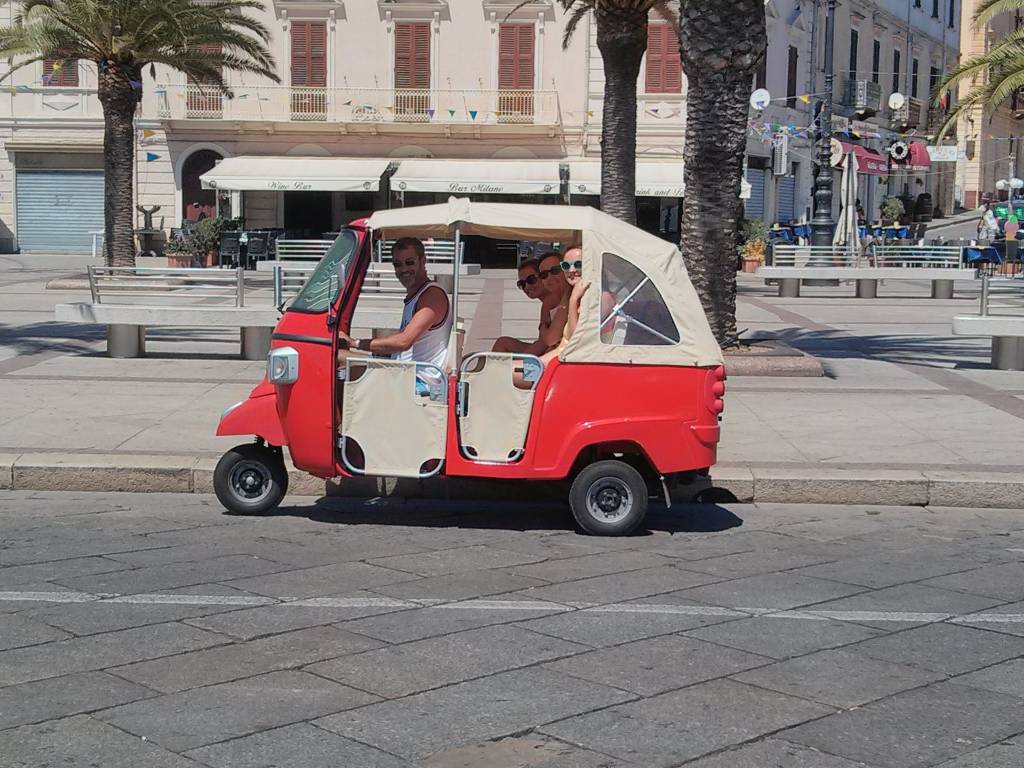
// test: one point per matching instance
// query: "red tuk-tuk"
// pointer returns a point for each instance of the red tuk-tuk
(634, 395)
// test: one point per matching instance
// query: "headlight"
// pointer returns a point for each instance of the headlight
(283, 366)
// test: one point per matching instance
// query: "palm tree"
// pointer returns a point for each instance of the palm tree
(201, 38)
(622, 40)
(721, 45)
(992, 77)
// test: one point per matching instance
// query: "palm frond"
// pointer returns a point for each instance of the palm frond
(987, 10)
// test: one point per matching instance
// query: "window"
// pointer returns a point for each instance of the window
(933, 81)
(664, 68)
(876, 60)
(309, 54)
(633, 313)
(952, 14)
(854, 41)
(515, 72)
(895, 71)
(204, 99)
(412, 70)
(60, 74)
(935, 9)
(914, 70)
(761, 76)
(318, 293)
(791, 77)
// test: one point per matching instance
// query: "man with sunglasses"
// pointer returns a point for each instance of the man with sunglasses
(426, 317)
(535, 280)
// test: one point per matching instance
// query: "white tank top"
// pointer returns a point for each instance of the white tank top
(432, 346)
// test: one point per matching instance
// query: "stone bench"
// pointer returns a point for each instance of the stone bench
(127, 323)
(1007, 332)
(866, 278)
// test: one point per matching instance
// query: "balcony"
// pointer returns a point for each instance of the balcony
(936, 116)
(862, 96)
(26, 104)
(357, 106)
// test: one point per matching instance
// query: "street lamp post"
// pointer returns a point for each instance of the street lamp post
(822, 226)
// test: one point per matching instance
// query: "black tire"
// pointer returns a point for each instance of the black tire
(608, 498)
(250, 479)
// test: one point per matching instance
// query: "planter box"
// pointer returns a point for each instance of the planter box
(751, 265)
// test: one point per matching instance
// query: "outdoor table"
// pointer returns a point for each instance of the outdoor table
(802, 230)
(979, 253)
(779, 233)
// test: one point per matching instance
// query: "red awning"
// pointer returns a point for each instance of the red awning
(917, 161)
(869, 162)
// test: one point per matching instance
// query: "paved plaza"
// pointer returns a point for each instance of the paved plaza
(154, 630)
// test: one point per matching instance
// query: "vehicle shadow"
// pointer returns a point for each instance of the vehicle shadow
(541, 515)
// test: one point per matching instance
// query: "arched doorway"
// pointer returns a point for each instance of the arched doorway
(198, 203)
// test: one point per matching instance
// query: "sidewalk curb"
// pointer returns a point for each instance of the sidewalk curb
(775, 485)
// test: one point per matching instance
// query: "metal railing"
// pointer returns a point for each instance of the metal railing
(359, 105)
(213, 287)
(438, 251)
(939, 256)
(815, 256)
(310, 251)
(289, 279)
(1005, 294)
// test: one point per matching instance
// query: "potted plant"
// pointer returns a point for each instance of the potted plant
(891, 211)
(755, 244)
(205, 240)
(178, 251)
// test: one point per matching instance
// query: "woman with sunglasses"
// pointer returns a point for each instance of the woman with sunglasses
(535, 281)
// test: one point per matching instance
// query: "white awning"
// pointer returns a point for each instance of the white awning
(478, 177)
(662, 178)
(296, 174)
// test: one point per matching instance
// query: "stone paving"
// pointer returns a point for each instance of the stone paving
(154, 630)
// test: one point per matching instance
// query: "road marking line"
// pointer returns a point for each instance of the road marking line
(809, 614)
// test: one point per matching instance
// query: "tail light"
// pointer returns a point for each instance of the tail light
(714, 390)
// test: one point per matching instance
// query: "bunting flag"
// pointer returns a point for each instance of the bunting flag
(151, 156)
(430, 113)
(24, 88)
(472, 114)
(135, 84)
(148, 133)
(347, 103)
(590, 113)
(242, 96)
(805, 99)
(451, 113)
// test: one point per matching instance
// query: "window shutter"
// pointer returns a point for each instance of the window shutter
(309, 54)
(664, 67)
(65, 76)
(515, 56)
(412, 55)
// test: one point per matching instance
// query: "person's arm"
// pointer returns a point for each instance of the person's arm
(430, 311)
(574, 307)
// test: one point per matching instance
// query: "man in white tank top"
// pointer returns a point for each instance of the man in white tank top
(426, 317)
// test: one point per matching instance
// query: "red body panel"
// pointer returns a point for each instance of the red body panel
(255, 416)
(664, 410)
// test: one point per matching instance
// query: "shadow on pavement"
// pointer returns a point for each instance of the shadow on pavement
(498, 515)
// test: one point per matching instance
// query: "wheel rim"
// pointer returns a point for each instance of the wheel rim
(609, 500)
(250, 481)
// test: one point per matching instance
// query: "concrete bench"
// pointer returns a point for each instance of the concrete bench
(127, 323)
(866, 278)
(1001, 316)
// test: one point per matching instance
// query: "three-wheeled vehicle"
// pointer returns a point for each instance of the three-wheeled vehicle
(634, 395)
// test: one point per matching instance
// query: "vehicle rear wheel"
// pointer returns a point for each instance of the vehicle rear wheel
(608, 498)
(250, 479)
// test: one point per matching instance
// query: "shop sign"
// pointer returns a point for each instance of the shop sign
(943, 154)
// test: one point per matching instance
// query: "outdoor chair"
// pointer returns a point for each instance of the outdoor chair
(258, 247)
(230, 249)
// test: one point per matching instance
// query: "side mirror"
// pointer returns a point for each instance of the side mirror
(333, 286)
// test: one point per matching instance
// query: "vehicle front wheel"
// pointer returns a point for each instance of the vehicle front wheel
(250, 479)
(608, 498)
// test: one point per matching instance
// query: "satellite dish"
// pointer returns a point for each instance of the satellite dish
(899, 151)
(835, 152)
(897, 100)
(760, 99)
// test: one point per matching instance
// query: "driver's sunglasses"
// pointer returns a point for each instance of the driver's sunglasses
(528, 280)
(567, 265)
(396, 263)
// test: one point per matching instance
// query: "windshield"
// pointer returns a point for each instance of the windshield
(315, 295)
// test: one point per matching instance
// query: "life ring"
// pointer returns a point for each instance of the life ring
(899, 151)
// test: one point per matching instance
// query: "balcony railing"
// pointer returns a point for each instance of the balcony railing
(907, 116)
(356, 105)
(25, 102)
(862, 95)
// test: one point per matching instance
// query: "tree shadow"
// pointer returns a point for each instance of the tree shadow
(72, 338)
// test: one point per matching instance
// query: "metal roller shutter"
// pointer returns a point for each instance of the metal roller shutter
(754, 208)
(57, 209)
(786, 199)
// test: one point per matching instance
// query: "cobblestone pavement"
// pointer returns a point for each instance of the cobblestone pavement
(157, 631)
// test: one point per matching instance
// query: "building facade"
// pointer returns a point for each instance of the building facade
(988, 144)
(400, 101)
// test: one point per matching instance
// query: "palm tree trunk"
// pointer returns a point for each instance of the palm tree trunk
(721, 45)
(119, 101)
(622, 42)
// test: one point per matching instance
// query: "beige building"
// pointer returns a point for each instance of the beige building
(986, 153)
(397, 102)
